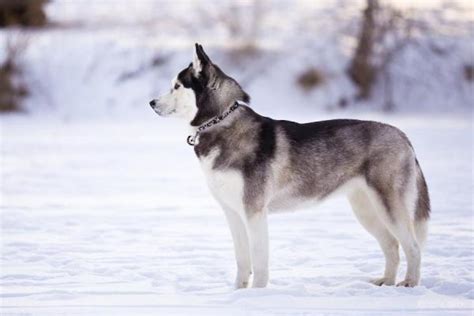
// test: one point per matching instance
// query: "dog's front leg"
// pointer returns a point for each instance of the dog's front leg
(258, 236)
(241, 247)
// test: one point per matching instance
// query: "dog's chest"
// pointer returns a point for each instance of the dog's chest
(226, 185)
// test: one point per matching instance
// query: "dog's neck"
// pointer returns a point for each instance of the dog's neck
(229, 117)
(224, 119)
(233, 134)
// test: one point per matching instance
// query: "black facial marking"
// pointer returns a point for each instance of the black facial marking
(211, 99)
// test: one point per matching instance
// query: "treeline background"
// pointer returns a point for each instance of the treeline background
(90, 58)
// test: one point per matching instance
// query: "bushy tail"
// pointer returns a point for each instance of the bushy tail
(422, 211)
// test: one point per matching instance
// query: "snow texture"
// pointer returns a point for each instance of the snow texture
(113, 217)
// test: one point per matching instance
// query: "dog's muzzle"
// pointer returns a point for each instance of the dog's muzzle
(155, 106)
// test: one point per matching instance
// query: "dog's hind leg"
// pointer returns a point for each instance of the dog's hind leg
(241, 247)
(367, 215)
(402, 227)
(258, 236)
(394, 213)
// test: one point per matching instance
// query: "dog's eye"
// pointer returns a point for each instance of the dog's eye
(176, 86)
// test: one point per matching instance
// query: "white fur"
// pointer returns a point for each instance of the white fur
(284, 199)
(239, 234)
(257, 229)
(197, 65)
(180, 102)
(397, 225)
(227, 187)
(249, 233)
(365, 211)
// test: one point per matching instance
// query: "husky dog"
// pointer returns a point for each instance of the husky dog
(255, 165)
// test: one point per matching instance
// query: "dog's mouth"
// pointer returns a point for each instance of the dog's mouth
(162, 112)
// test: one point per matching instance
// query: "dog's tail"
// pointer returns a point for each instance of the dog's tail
(422, 207)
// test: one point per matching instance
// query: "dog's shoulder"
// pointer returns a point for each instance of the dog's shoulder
(249, 139)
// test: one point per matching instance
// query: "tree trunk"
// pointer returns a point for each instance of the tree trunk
(26, 13)
(361, 69)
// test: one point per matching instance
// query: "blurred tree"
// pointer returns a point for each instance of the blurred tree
(384, 34)
(361, 69)
(26, 13)
(241, 20)
(310, 79)
(12, 87)
(469, 72)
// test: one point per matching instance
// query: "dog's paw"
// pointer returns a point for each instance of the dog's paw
(257, 284)
(242, 280)
(383, 281)
(408, 283)
(260, 280)
(241, 284)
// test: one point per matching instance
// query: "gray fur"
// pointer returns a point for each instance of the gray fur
(319, 164)
(423, 207)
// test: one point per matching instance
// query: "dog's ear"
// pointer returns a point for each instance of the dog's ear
(200, 60)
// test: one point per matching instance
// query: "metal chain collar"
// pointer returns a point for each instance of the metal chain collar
(215, 120)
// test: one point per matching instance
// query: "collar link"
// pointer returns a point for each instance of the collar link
(191, 140)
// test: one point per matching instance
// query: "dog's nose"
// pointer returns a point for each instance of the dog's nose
(152, 103)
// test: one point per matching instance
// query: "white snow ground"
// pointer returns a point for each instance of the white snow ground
(113, 217)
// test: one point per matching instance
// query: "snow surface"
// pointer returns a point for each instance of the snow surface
(113, 217)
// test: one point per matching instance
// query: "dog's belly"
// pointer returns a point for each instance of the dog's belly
(227, 187)
(288, 202)
(288, 198)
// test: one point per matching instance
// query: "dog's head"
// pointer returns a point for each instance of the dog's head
(199, 92)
